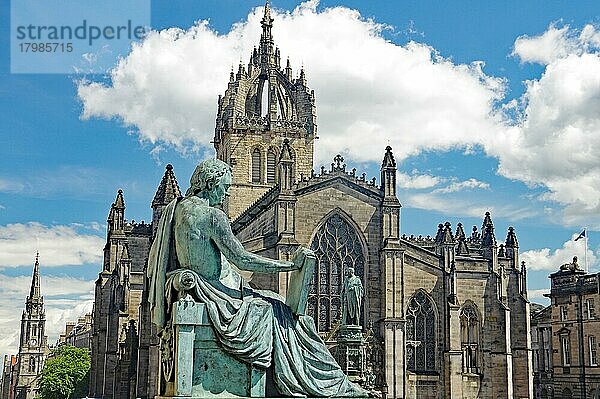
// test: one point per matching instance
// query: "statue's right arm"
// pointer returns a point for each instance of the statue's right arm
(234, 251)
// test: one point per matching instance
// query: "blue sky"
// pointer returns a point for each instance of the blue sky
(66, 150)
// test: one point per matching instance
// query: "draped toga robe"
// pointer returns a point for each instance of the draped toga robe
(254, 326)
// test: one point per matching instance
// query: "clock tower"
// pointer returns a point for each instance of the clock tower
(33, 343)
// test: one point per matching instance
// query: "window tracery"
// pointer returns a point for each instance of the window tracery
(469, 331)
(420, 334)
(337, 247)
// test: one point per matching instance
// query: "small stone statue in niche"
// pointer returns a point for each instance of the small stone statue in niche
(352, 296)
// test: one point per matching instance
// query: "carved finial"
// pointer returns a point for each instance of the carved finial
(501, 252)
(388, 158)
(460, 236)
(511, 238)
(439, 236)
(447, 237)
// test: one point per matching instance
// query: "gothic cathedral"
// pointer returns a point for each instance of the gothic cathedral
(445, 316)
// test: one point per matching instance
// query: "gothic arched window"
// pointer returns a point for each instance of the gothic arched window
(469, 333)
(256, 166)
(420, 334)
(32, 364)
(271, 164)
(337, 247)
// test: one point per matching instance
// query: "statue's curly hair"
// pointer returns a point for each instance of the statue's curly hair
(207, 172)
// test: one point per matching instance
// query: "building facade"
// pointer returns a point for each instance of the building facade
(9, 377)
(124, 344)
(566, 337)
(445, 316)
(21, 373)
(78, 334)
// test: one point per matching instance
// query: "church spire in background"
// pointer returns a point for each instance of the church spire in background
(34, 292)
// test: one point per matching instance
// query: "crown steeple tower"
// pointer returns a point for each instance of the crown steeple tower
(263, 105)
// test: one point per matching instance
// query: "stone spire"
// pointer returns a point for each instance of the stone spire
(461, 240)
(34, 292)
(266, 38)
(116, 215)
(511, 238)
(512, 246)
(447, 237)
(489, 238)
(388, 174)
(391, 205)
(167, 191)
(489, 244)
(487, 220)
(439, 235)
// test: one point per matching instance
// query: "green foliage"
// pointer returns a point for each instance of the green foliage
(65, 374)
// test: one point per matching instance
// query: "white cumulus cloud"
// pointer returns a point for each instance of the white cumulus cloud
(551, 259)
(470, 184)
(57, 244)
(557, 141)
(556, 43)
(371, 92)
(368, 89)
(417, 181)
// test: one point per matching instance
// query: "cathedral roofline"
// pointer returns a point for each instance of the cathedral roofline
(336, 174)
(337, 171)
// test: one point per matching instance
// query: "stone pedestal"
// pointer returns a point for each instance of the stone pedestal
(198, 367)
(350, 352)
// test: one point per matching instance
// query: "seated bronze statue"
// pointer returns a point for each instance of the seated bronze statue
(196, 252)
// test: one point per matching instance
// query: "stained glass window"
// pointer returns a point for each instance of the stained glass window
(337, 246)
(469, 331)
(420, 334)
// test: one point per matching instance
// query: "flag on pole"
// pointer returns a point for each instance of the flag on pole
(581, 235)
